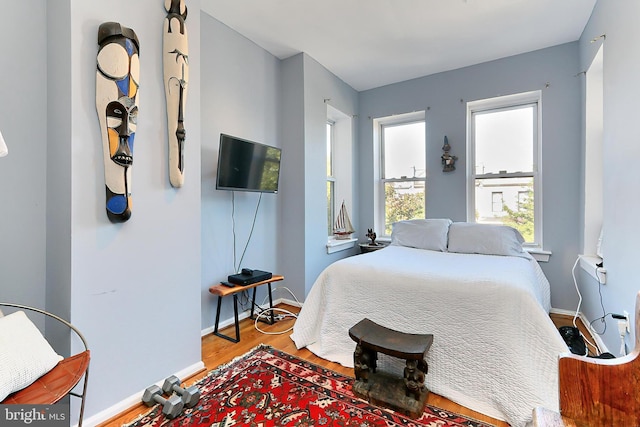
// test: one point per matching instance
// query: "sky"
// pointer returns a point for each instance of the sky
(405, 150)
(503, 142)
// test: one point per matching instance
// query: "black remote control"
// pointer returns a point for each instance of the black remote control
(247, 271)
(227, 284)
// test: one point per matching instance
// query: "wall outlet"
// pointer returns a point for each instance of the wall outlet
(622, 328)
(628, 325)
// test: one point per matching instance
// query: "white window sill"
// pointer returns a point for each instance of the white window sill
(337, 245)
(588, 264)
(539, 254)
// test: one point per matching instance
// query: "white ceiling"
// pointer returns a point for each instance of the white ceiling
(372, 43)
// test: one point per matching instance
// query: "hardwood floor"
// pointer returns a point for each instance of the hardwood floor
(565, 320)
(217, 351)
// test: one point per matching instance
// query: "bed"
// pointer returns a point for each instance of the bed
(485, 300)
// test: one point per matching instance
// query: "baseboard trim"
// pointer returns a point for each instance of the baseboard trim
(245, 315)
(288, 302)
(594, 335)
(131, 401)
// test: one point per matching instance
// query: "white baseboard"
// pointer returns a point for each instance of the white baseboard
(289, 302)
(134, 399)
(224, 323)
(594, 335)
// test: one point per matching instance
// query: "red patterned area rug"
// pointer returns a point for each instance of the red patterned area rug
(267, 387)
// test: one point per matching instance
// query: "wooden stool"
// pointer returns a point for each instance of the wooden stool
(406, 394)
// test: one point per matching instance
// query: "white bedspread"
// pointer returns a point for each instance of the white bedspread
(495, 348)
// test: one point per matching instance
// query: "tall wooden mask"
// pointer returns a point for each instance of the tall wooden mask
(117, 82)
(176, 77)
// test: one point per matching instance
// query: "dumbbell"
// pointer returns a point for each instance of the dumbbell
(190, 395)
(171, 407)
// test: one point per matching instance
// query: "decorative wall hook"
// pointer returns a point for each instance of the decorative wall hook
(448, 161)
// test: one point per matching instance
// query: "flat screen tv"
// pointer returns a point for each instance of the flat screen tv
(247, 166)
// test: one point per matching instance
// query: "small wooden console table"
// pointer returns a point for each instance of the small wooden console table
(222, 291)
(406, 394)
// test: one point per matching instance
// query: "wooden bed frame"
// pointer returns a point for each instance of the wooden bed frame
(602, 392)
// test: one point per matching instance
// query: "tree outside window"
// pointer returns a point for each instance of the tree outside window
(504, 163)
(401, 205)
(402, 170)
(522, 218)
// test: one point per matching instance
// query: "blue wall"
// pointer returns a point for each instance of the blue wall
(134, 288)
(117, 283)
(57, 248)
(23, 184)
(619, 21)
(321, 85)
(240, 97)
(251, 94)
(444, 96)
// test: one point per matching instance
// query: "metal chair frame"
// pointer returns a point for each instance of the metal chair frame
(85, 372)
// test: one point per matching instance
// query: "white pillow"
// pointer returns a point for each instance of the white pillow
(421, 233)
(25, 355)
(487, 239)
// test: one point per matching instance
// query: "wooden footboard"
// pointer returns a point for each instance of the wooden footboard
(602, 392)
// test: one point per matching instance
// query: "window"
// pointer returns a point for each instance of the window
(340, 174)
(496, 201)
(593, 165)
(504, 159)
(331, 181)
(402, 170)
(522, 199)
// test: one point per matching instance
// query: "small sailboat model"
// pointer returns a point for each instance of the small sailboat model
(343, 229)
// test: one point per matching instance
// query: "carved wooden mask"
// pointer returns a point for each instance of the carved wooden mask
(117, 81)
(176, 78)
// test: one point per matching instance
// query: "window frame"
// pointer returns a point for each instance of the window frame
(522, 199)
(593, 128)
(493, 201)
(331, 178)
(504, 103)
(343, 172)
(380, 180)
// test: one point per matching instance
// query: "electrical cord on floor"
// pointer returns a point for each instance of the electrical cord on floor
(575, 283)
(596, 350)
(267, 311)
(594, 346)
